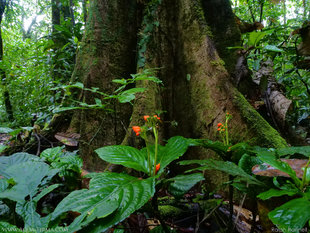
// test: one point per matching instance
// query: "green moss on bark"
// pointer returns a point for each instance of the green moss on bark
(266, 135)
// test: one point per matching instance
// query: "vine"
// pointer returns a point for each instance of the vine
(149, 24)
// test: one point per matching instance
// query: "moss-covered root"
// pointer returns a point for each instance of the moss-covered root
(268, 136)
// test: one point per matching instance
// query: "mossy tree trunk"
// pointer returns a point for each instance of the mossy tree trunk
(197, 90)
(107, 52)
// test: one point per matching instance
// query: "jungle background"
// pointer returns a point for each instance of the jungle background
(83, 73)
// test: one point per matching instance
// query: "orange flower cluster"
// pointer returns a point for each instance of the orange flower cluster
(137, 130)
(220, 127)
(147, 116)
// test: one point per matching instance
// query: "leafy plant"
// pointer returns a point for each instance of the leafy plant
(102, 102)
(22, 187)
(294, 214)
(122, 194)
(27, 179)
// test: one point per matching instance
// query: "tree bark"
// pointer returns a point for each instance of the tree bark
(107, 52)
(197, 90)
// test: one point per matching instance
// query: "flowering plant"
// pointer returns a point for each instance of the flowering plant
(112, 197)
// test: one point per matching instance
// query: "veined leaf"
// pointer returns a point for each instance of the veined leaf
(227, 167)
(255, 37)
(175, 148)
(280, 165)
(27, 176)
(216, 146)
(3, 184)
(7, 161)
(303, 150)
(183, 183)
(137, 159)
(273, 48)
(276, 193)
(129, 95)
(292, 216)
(51, 154)
(45, 191)
(124, 155)
(27, 210)
(107, 192)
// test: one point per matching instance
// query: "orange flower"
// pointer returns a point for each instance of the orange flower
(158, 118)
(157, 168)
(218, 129)
(137, 130)
(145, 117)
(219, 125)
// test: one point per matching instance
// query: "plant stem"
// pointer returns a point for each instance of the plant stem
(148, 157)
(157, 214)
(303, 183)
(156, 148)
(231, 205)
(226, 130)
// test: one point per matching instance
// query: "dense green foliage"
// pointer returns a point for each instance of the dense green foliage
(278, 42)
(32, 58)
(38, 64)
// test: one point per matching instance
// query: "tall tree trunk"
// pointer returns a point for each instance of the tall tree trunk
(6, 94)
(107, 52)
(84, 5)
(197, 90)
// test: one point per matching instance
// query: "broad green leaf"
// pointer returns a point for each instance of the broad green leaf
(216, 146)
(3, 184)
(280, 165)
(51, 154)
(224, 166)
(149, 78)
(7, 161)
(5, 130)
(247, 162)
(277, 193)
(273, 48)
(27, 176)
(255, 37)
(175, 148)
(129, 95)
(45, 191)
(183, 183)
(303, 150)
(124, 155)
(120, 81)
(292, 216)
(27, 210)
(108, 193)
(68, 162)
